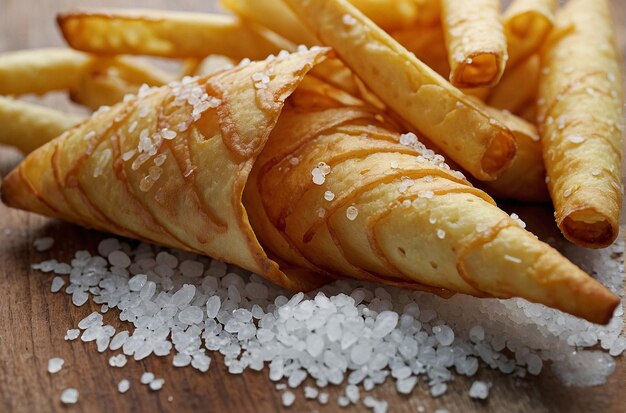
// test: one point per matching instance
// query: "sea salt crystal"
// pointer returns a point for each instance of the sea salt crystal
(190, 268)
(213, 306)
(119, 259)
(479, 390)
(310, 392)
(69, 396)
(386, 321)
(146, 378)
(405, 386)
(576, 139)
(477, 334)
(438, 389)
(348, 20)
(329, 196)
(444, 335)
(55, 365)
(72, 334)
(191, 315)
(288, 398)
(43, 244)
(123, 386)
(57, 284)
(352, 212)
(93, 319)
(156, 384)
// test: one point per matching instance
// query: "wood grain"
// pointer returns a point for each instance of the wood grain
(33, 321)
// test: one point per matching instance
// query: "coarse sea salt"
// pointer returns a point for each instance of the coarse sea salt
(349, 332)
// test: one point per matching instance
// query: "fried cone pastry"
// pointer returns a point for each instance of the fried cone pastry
(580, 114)
(331, 190)
(527, 24)
(475, 41)
(27, 126)
(458, 125)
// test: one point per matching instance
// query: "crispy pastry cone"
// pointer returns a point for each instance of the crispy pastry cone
(170, 165)
(386, 209)
(580, 114)
(458, 125)
(475, 40)
(27, 126)
(165, 34)
(527, 24)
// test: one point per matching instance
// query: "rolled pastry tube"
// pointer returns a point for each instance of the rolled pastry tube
(475, 39)
(580, 120)
(28, 126)
(41, 70)
(458, 125)
(165, 34)
(527, 24)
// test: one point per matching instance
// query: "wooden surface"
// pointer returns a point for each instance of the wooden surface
(33, 321)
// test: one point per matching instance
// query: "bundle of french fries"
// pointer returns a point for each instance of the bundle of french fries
(526, 101)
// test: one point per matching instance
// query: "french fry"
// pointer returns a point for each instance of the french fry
(110, 79)
(274, 15)
(460, 127)
(580, 120)
(509, 95)
(40, 71)
(165, 34)
(475, 40)
(525, 180)
(28, 126)
(527, 24)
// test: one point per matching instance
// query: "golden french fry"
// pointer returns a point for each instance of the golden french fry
(274, 15)
(580, 120)
(165, 34)
(41, 70)
(527, 24)
(476, 43)
(110, 79)
(525, 180)
(461, 128)
(28, 126)
(518, 87)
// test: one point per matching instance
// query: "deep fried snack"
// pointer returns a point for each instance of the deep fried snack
(460, 127)
(518, 87)
(475, 40)
(41, 70)
(27, 126)
(108, 80)
(300, 191)
(580, 115)
(527, 24)
(165, 34)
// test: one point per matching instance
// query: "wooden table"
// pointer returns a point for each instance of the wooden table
(33, 321)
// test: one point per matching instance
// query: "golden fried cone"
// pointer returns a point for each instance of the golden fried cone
(580, 115)
(417, 224)
(184, 192)
(475, 40)
(459, 126)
